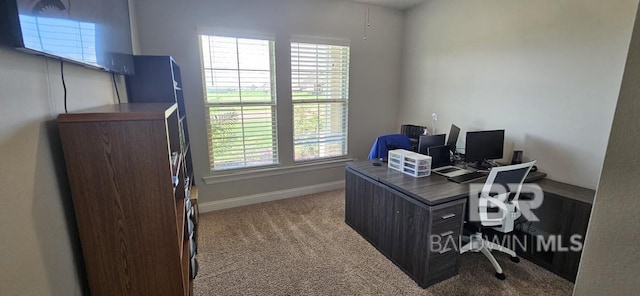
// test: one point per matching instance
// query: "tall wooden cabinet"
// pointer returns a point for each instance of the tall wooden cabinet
(127, 172)
(158, 80)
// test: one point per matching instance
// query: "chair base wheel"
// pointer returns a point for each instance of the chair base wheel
(501, 276)
(515, 259)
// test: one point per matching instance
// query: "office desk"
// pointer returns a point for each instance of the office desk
(564, 213)
(400, 215)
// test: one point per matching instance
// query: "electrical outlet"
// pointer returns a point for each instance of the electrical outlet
(434, 116)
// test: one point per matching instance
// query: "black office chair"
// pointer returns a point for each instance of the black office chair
(413, 132)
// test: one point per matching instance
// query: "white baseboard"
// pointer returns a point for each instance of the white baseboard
(269, 196)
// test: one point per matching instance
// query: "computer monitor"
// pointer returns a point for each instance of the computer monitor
(483, 145)
(439, 156)
(430, 141)
(453, 137)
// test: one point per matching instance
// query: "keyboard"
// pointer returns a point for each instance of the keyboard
(448, 170)
(467, 177)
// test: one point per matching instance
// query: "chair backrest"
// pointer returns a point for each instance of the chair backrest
(412, 131)
(383, 144)
(502, 186)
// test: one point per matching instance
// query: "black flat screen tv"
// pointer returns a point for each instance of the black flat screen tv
(94, 33)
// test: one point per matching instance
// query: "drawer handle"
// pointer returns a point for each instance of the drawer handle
(445, 217)
(447, 233)
(445, 251)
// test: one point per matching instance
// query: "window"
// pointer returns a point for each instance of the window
(320, 91)
(240, 101)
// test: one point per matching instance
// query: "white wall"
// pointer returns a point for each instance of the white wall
(39, 248)
(546, 71)
(169, 28)
(611, 258)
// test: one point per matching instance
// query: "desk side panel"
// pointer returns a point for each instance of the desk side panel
(575, 220)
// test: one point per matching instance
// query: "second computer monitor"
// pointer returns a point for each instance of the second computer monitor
(484, 145)
(453, 137)
(429, 141)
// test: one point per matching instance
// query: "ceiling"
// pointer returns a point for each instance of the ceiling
(397, 4)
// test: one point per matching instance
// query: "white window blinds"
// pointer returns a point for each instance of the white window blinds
(240, 100)
(320, 92)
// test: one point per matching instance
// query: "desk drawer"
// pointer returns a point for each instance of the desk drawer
(442, 265)
(446, 227)
(453, 226)
(447, 219)
(445, 214)
(445, 256)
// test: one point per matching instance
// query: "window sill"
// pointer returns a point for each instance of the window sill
(269, 172)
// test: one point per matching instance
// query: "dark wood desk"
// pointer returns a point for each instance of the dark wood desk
(401, 216)
(564, 213)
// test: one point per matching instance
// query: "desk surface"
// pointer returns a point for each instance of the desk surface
(431, 190)
(436, 189)
(568, 191)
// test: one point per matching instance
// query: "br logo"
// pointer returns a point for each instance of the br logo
(492, 203)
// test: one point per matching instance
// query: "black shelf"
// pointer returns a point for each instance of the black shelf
(157, 79)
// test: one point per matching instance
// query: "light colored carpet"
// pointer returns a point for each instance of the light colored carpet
(301, 246)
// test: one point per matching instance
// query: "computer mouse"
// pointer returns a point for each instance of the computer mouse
(376, 164)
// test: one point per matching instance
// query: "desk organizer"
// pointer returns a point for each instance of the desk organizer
(410, 163)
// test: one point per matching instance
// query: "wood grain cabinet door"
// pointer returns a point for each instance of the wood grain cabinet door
(410, 236)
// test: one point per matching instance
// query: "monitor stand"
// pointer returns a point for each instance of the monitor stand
(480, 165)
